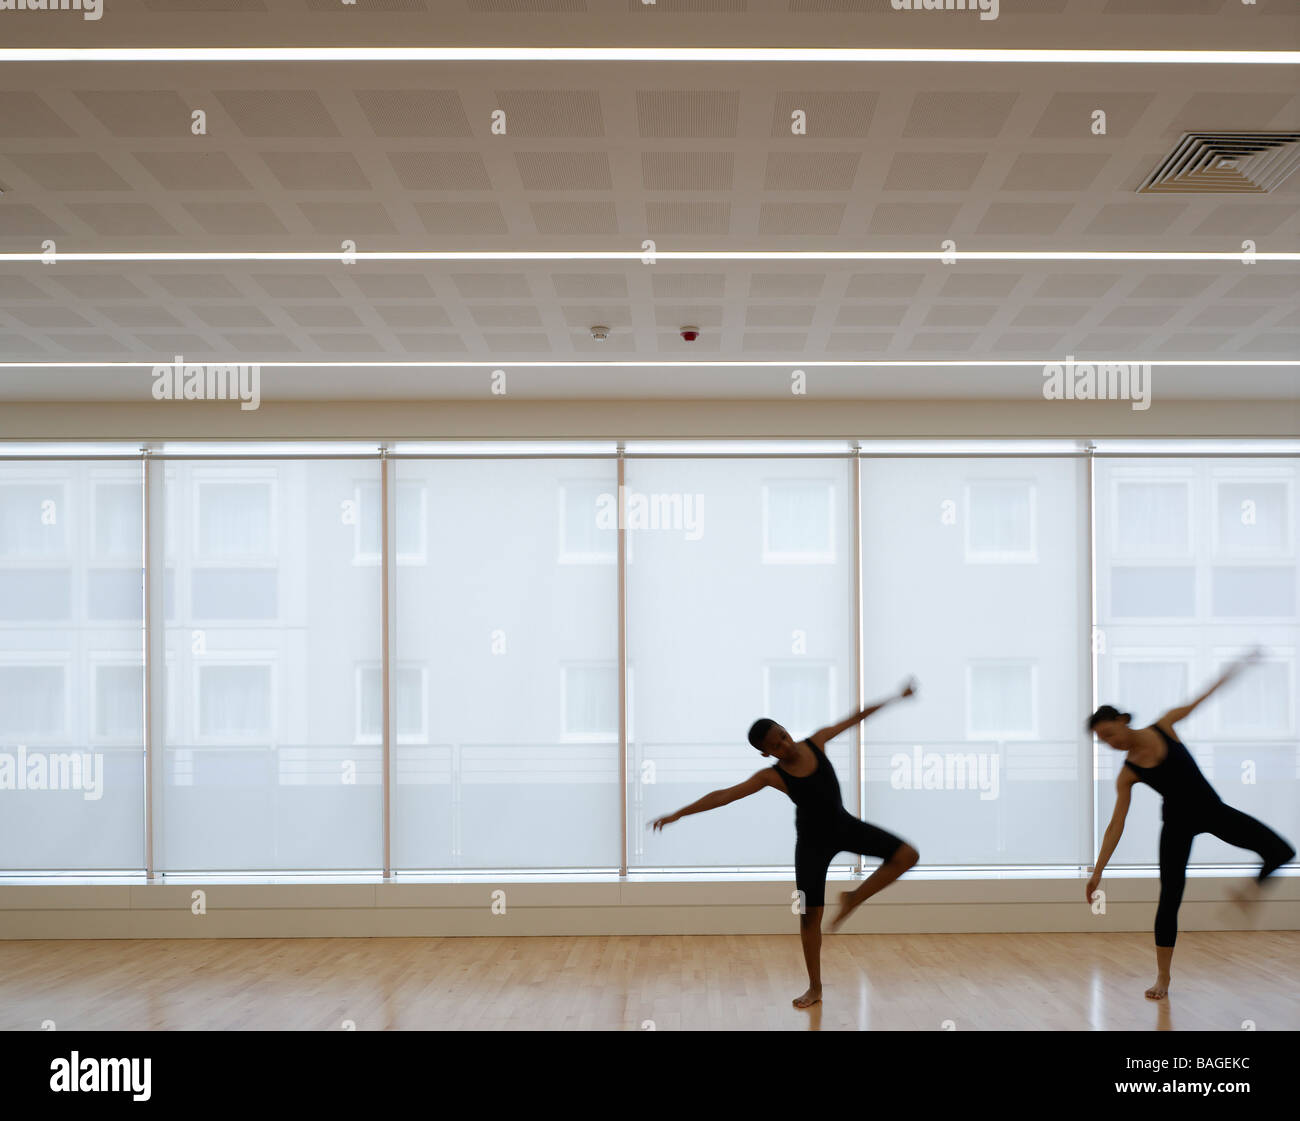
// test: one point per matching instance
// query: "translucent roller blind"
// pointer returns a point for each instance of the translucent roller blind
(740, 605)
(514, 616)
(1196, 563)
(272, 616)
(71, 666)
(974, 580)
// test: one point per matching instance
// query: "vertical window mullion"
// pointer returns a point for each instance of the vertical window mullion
(622, 663)
(1091, 768)
(153, 473)
(387, 557)
(859, 635)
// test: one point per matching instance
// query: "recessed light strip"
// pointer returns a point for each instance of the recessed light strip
(579, 364)
(633, 54)
(621, 255)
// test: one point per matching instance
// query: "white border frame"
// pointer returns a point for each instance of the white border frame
(1013, 556)
(38, 659)
(829, 556)
(612, 737)
(268, 659)
(1003, 736)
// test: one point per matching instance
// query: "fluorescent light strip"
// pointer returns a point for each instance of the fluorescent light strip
(667, 255)
(793, 363)
(633, 54)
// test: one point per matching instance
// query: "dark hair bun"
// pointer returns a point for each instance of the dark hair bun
(1107, 712)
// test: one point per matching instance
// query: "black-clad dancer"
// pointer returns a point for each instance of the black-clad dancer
(823, 827)
(1191, 806)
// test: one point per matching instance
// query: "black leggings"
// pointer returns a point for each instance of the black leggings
(815, 849)
(1232, 826)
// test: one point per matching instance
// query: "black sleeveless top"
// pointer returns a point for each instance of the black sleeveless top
(1178, 780)
(816, 796)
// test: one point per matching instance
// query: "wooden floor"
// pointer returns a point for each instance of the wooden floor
(910, 982)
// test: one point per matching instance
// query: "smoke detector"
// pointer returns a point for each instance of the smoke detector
(600, 334)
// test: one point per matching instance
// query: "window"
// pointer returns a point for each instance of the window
(411, 716)
(1195, 565)
(33, 700)
(117, 692)
(798, 526)
(234, 702)
(118, 516)
(34, 518)
(1000, 522)
(234, 521)
(800, 696)
(589, 697)
(1252, 516)
(1001, 701)
(410, 531)
(1259, 703)
(1253, 592)
(1152, 517)
(1149, 683)
(589, 522)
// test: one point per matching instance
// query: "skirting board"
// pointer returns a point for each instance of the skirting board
(608, 906)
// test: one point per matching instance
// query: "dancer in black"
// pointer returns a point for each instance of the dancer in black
(823, 827)
(1191, 806)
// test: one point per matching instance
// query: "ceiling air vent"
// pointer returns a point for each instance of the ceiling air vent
(1214, 163)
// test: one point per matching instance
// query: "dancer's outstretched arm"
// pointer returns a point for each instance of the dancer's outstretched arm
(1182, 712)
(716, 798)
(1115, 830)
(827, 734)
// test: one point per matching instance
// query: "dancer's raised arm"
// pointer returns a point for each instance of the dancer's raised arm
(716, 798)
(827, 734)
(1182, 712)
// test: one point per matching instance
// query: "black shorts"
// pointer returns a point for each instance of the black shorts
(815, 849)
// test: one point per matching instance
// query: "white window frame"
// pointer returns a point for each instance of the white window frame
(60, 659)
(567, 736)
(267, 658)
(796, 663)
(802, 556)
(1153, 558)
(1239, 477)
(224, 477)
(1225, 656)
(1183, 655)
(1212, 616)
(100, 659)
(567, 556)
(67, 555)
(107, 478)
(1002, 736)
(1001, 556)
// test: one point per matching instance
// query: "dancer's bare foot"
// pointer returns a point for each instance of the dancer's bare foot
(1160, 989)
(847, 907)
(811, 997)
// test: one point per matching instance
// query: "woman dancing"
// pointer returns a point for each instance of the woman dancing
(1191, 806)
(823, 827)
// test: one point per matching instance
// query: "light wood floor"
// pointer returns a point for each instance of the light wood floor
(880, 982)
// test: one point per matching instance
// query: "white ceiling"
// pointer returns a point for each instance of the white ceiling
(599, 156)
